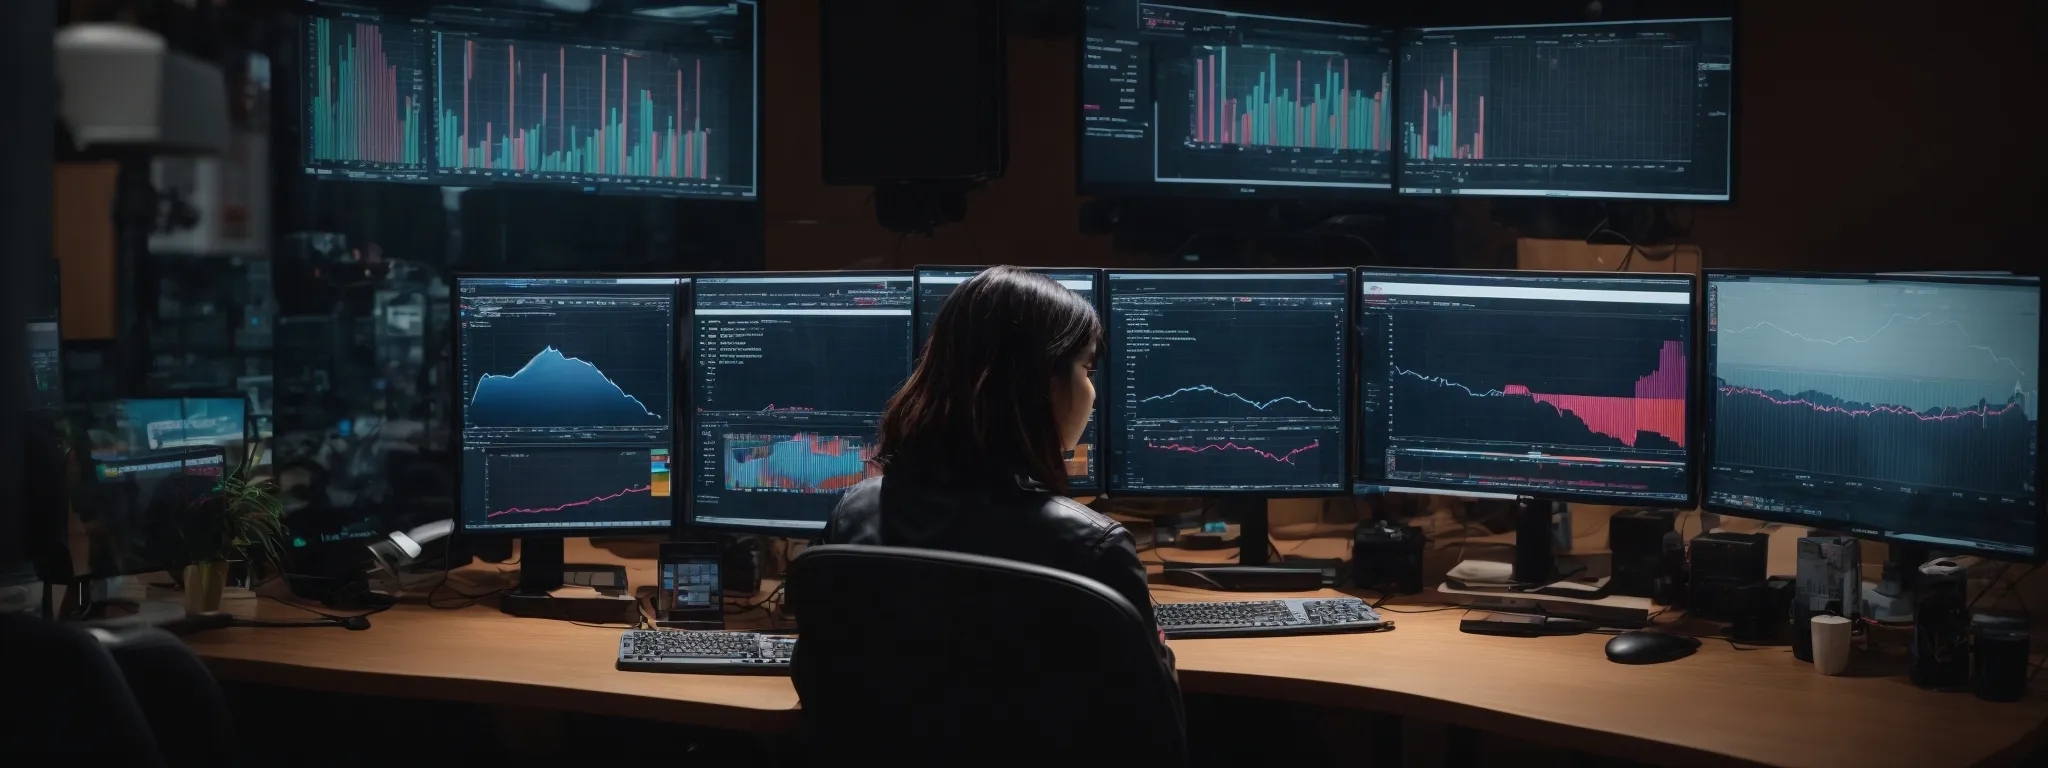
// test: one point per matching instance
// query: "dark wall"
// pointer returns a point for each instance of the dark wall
(1872, 136)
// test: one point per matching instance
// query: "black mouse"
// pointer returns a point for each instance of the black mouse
(354, 623)
(1649, 647)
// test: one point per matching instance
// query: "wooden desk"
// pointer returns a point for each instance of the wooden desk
(1718, 707)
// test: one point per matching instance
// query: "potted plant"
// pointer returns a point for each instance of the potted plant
(240, 518)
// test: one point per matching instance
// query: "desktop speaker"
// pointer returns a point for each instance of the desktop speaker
(1387, 558)
(1940, 658)
(1726, 567)
(1636, 540)
(1998, 656)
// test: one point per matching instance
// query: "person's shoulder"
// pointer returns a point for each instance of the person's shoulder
(1080, 519)
(865, 495)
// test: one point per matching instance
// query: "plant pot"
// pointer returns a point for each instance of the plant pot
(203, 585)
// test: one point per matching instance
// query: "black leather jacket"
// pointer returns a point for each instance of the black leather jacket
(1021, 521)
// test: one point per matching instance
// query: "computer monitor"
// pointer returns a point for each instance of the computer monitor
(663, 101)
(1895, 407)
(1229, 382)
(935, 284)
(1216, 98)
(790, 373)
(139, 425)
(130, 513)
(1557, 385)
(568, 402)
(45, 365)
(1638, 110)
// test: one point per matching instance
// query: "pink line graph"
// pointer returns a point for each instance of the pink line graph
(1287, 458)
(1946, 414)
(583, 503)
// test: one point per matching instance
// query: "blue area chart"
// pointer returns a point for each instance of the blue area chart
(797, 463)
(555, 390)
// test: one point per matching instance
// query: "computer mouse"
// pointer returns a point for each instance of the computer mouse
(1649, 647)
(354, 623)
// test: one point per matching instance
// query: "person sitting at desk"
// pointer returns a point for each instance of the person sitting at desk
(972, 445)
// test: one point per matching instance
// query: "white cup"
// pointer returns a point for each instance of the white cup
(1830, 644)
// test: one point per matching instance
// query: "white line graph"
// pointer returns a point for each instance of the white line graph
(1970, 342)
(1234, 396)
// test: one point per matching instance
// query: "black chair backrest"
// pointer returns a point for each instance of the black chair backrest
(955, 658)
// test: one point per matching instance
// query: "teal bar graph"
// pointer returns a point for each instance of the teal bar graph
(366, 94)
(514, 108)
(1296, 99)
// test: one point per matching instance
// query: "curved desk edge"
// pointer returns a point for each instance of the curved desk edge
(496, 692)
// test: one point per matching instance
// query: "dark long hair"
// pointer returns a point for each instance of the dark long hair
(979, 406)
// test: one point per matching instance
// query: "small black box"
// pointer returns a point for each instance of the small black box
(1387, 558)
(1723, 566)
(1636, 540)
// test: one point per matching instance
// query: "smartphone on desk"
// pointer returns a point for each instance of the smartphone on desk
(692, 596)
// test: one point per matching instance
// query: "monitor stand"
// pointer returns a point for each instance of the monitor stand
(1254, 571)
(541, 572)
(1535, 538)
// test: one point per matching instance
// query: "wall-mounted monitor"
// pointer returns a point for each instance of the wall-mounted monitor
(1206, 98)
(1638, 110)
(663, 104)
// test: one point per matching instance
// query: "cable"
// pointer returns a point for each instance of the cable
(1205, 577)
(2002, 569)
(329, 616)
(1381, 606)
(745, 606)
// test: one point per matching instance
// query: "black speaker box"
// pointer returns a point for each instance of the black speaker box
(912, 90)
(1636, 540)
(1725, 568)
(1998, 656)
(1387, 558)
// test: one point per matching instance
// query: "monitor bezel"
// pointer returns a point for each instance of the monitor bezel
(677, 401)
(1734, 119)
(1267, 193)
(689, 520)
(1101, 311)
(1694, 415)
(1847, 527)
(1113, 429)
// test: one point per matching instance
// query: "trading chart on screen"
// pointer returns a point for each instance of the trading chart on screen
(568, 398)
(1884, 404)
(1569, 385)
(790, 374)
(1227, 381)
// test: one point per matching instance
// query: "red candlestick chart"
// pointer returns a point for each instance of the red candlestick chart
(1657, 406)
(513, 106)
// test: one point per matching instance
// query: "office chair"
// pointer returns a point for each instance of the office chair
(943, 657)
(111, 694)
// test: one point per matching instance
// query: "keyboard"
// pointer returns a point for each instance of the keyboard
(1267, 618)
(714, 653)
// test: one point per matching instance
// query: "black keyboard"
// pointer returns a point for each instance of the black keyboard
(1270, 618)
(717, 653)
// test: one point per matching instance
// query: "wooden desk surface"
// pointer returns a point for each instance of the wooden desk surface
(1718, 707)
